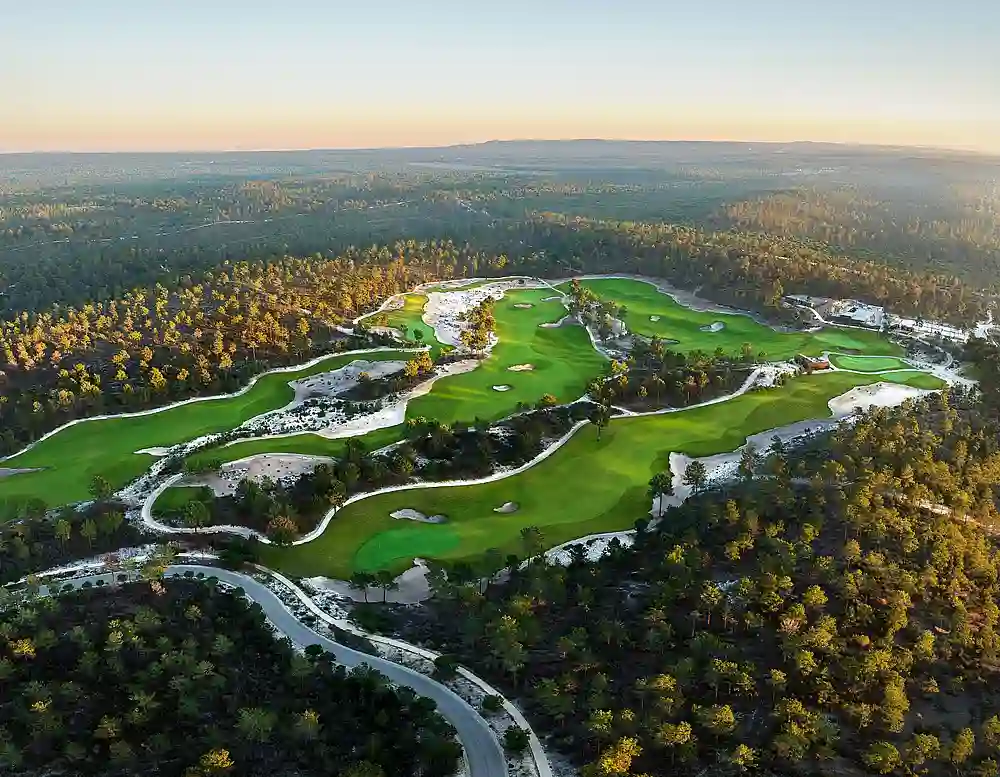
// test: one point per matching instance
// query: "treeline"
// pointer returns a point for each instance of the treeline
(205, 336)
(959, 236)
(35, 541)
(750, 271)
(835, 611)
(183, 679)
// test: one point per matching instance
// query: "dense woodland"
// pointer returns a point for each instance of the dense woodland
(833, 612)
(37, 541)
(959, 236)
(180, 678)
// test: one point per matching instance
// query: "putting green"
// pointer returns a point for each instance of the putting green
(69, 459)
(676, 322)
(587, 486)
(410, 541)
(867, 363)
(563, 361)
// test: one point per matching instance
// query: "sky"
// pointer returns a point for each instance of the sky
(160, 75)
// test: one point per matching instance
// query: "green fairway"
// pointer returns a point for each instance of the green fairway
(563, 358)
(867, 363)
(684, 325)
(69, 459)
(588, 486)
(307, 444)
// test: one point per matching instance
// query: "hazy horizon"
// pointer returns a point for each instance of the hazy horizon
(193, 77)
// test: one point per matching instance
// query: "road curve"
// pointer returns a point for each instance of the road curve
(483, 753)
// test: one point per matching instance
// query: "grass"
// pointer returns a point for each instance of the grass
(564, 361)
(588, 486)
(174, 499)
(70, 459)
(411, 317)
(307, 443)
(867, 363)
(677, 322)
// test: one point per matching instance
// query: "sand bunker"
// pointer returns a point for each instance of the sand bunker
(654, 318)
(506, 507)
(521, 368)
(523, 305)
(874, 395)
(154, 451)
(715, 326)
(501, 388)
(415, 515)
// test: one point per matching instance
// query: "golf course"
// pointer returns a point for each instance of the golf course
(70, 458)
(609, 484)
(651, 312)
(595, 482)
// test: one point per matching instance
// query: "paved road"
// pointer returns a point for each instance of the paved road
(484, 755)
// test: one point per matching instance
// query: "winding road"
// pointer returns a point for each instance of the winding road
(482, 752)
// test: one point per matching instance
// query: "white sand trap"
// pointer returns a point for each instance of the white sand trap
(715, 326)
(552, 299)
(502, 388)
(506, 507)
(654, 318)
(407, 514)
(523, 305)
(279, 467)
(521, 368)
(394, 413)
(154, 451)
(336, 382)
(874, 395)
(413, 587)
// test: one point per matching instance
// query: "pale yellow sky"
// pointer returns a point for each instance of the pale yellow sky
(188, 74)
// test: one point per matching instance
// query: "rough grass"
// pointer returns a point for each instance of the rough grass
(71, 458)
(563, 357)
(867, 363)
(588, 486)
(677, 322)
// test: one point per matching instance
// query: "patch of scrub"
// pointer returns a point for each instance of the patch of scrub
(523, 305)
(715, 326)
(386, 549)
(506, 507)
(408, 514)
(521, 368)
(502, 388)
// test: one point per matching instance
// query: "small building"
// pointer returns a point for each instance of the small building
(812, 363)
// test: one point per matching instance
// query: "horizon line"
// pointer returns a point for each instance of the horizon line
(291, 149)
